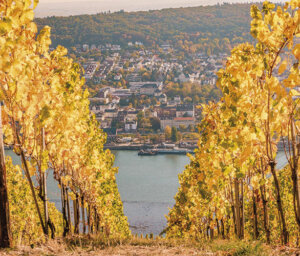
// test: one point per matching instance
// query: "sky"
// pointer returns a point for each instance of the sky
(76, 7)
(134, 1)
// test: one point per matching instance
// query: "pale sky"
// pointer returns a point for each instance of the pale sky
(149, 1)
(76, 7)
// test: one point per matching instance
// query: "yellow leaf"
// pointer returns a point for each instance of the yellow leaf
(35, 3)
(296, 51)
(295, 92)
(282, 67)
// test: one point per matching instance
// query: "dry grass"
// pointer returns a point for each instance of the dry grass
(144, 247)
(84, 246)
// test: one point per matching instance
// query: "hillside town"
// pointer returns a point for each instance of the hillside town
(106, 106)
(130, 86)
(116, 66)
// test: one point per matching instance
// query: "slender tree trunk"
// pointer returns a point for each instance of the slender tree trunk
(211, 233)
(32, 189)
(218, 226)
(297, 193)
(27, 174)
(76, 214)
(237, 208)
(285, 233)
(265, 210)
(296, 196)
(52, 228)
(96, 221)
(89, 219)
(242, 210)
(295, 176)
(68, 210)
(228, 226)
(234, 219)
(255, 220)
(83, 215)
(44, 188)
(46, 216)
(222, 229)
(203, 233)
(75, 217)
(233, 208)
(64, 209)
(207, 232)
(93, 221)
(5, 232)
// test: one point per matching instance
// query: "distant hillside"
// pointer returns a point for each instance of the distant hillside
(211, 28)
(47, 8)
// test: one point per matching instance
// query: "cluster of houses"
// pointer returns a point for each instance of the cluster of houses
(109, 113)
(181, 115)
(132, 60)
(137, 70)
(106, 67)
(127, 63)
(90, 69)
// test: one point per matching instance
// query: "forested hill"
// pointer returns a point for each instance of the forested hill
(213, 28)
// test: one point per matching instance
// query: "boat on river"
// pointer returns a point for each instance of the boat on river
(174, 151)
(161, 151)
(147, 152)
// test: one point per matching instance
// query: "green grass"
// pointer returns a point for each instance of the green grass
(219, 247)
(239, 248)
(89, 244)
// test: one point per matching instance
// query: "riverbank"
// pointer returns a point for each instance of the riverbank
(85, 245)
(156, 148)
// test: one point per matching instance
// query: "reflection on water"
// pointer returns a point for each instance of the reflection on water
(147, 186)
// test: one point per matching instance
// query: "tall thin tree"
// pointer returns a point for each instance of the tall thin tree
(5, 234)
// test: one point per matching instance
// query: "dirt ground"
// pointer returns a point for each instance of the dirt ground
(142, 247)
(125, 250)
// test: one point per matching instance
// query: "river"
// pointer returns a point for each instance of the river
(147, 185)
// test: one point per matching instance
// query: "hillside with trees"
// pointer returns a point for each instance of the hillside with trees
(209, 28)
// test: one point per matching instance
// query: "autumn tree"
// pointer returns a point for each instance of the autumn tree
(236, 160)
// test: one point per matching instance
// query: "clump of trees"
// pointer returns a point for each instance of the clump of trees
(233, 187)
(193, 92)
(46, 120)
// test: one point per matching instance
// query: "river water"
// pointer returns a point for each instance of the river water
(147, 185)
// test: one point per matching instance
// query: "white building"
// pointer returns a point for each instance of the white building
(176, 122)
(85, 47)
(90, 69)
(130, 126)
(145, 87)
(139, 43)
